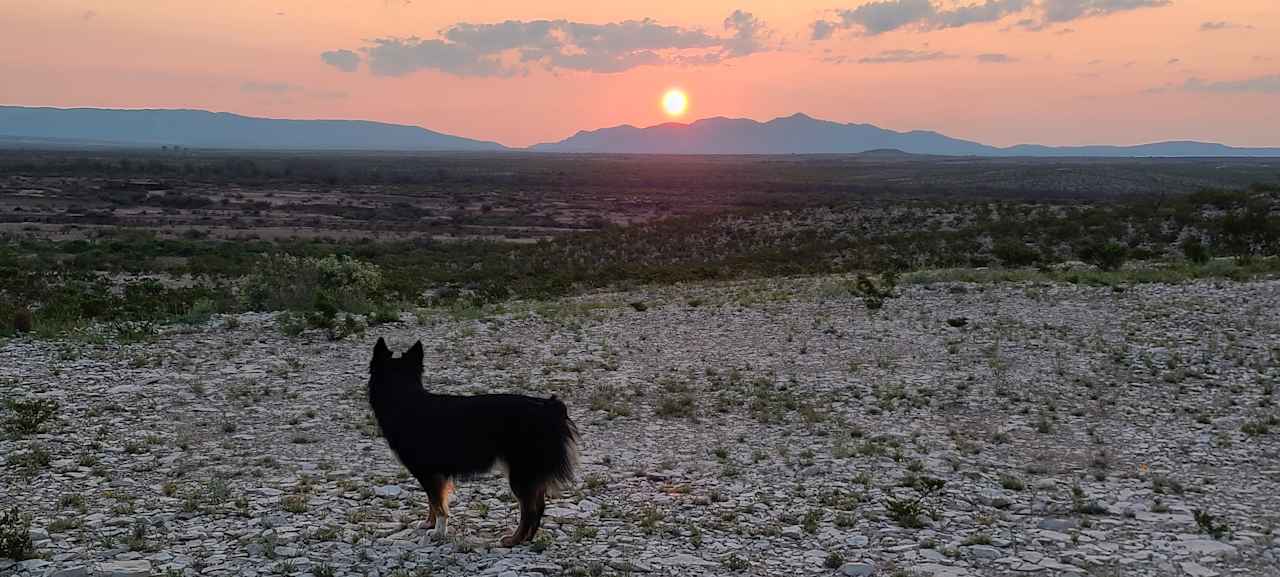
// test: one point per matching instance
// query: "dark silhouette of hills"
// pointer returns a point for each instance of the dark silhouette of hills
(203, 129)
(802, 134)
(796, 134)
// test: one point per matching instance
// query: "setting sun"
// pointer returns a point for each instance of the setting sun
(674, 102)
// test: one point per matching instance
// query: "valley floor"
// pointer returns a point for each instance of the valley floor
(762, 428)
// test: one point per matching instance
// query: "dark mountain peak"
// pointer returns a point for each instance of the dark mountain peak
(795, 134)
(887, 153)
(797, 116)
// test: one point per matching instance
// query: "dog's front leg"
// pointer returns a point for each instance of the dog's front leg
(438, 491)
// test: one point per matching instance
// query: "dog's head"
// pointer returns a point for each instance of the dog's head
(387, 371)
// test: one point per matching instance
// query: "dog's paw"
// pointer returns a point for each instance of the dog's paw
(441, 531)
(508, 541)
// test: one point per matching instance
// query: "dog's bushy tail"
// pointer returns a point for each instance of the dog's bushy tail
(564, 456)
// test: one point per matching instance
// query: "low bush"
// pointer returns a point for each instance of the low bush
(326, 285)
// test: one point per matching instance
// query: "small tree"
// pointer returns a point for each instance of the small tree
(874, 294)
(1108, 256)
(1194, 250)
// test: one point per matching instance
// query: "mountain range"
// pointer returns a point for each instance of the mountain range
(795, 134)
(222, 130)
(802, 134)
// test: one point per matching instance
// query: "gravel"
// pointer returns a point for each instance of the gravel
(762, 428)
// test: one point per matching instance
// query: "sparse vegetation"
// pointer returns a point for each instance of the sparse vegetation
(15, 535)
(1210, 524)
(29, 416)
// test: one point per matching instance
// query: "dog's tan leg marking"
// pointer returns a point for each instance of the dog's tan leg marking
(442, 511)
(438, 490)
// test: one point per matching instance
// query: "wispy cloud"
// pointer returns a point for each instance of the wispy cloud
(899, 56)
(880, 16)
(749, 34)
(515, 46)
(344, 60)
(995, 58)
(1214, 26)
(1267, 84)
(1068, 10)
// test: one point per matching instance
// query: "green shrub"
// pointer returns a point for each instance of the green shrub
(15, 535)
(28, 417)
(200, 312)
(349, 326)
(908, 511)
(326, 285)
(874, 294)
(385, 313)
(1194, 250)
(290, 324)
(1015, 253)
(675, 400)
(14, 319)
(1107, 256)
(1210, 524)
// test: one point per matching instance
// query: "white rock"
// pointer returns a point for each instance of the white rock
(857, 569)
(1193, 569)
(123, 569)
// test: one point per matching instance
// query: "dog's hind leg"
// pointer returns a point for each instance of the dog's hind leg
(533, 503)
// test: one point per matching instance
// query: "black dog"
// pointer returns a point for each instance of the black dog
(442, 438)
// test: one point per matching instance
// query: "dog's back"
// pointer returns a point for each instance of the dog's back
(459, 436)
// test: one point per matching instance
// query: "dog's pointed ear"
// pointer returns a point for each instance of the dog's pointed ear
(414, 354)
(381, 352)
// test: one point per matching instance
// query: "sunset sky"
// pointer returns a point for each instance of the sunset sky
(998, 71)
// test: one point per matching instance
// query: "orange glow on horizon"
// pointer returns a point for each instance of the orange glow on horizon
(1199, 70)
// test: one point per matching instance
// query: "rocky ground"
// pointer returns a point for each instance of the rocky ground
(763, 428)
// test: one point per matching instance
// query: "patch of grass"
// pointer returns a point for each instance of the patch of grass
(810, 522)
(541, 542)
(1011, 483)
(736, 564)
(909, 512)
(71, 501)
(1210, 524)
(1259, 426)
(65, 524)
(676, 400)
(36, 458)
(290, 324)
(978, 539)
(15, 535)
(1162, 485)
(137, 539)
(294, 503)
(29, 416)
(608, 399)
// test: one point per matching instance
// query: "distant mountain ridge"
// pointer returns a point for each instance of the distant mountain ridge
(802, 134)
(796, 134)
(204, 129)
